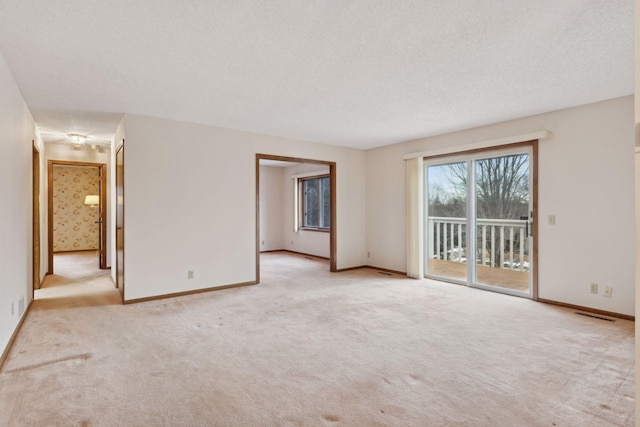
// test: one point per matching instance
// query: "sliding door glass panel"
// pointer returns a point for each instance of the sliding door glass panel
(502, 207)
(447, 221)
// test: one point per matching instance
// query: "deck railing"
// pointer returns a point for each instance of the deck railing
(501, 243)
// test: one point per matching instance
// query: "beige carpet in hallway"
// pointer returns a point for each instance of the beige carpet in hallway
(78, 279)
(311, 348)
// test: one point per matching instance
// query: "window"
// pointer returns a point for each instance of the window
(315, 202)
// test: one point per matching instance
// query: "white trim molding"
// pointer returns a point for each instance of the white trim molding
(308, 174)
(539, 135)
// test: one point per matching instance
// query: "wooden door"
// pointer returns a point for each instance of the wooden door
(36, 217)
(102, 218)
(120, 220)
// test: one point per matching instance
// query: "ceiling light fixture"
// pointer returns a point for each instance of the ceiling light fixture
(77, 138)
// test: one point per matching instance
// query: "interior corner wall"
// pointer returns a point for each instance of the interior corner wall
(191, 204)
(586, 179)
(271, 208)
(17, 131)
(65, 152)
(316, 243)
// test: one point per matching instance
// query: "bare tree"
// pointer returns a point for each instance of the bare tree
(502, 192)
(502, 186)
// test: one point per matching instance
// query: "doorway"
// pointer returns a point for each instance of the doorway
(83, 206)
(480, 222)
(325, 186)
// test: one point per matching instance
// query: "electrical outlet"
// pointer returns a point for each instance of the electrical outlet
(552, 220)
(292, 242)
(607, 291)
(263, 243)
(593, 288)
(190, 274)
(368, 254)
(13, 310)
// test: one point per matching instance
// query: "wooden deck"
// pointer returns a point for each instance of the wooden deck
(498, 277)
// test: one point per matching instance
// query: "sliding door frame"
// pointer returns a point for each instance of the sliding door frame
(463, 156)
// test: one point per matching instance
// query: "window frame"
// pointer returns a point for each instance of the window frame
(302, 202)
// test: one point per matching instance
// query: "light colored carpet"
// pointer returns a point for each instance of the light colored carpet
(307, 347)
(77, 280)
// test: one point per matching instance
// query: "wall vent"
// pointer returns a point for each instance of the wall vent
(595, 317)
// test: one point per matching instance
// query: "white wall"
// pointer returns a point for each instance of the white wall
(271, 208)
(637, 188)
(586, 179)
(17, 131)
(277, 207)
(190, 204)
(304, 241)
(67, 153)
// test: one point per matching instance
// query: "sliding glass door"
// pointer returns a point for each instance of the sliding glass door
(447, 221)
(502, 217)
(479, 213)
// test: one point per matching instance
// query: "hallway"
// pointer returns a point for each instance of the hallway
(77, 280)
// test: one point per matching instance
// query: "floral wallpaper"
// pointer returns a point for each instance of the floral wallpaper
(74, 227)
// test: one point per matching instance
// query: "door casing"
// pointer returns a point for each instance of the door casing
(119, 178)
(36, 217)
(332, 227)
(103, 209)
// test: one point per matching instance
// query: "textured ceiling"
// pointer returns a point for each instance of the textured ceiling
(355, 73)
